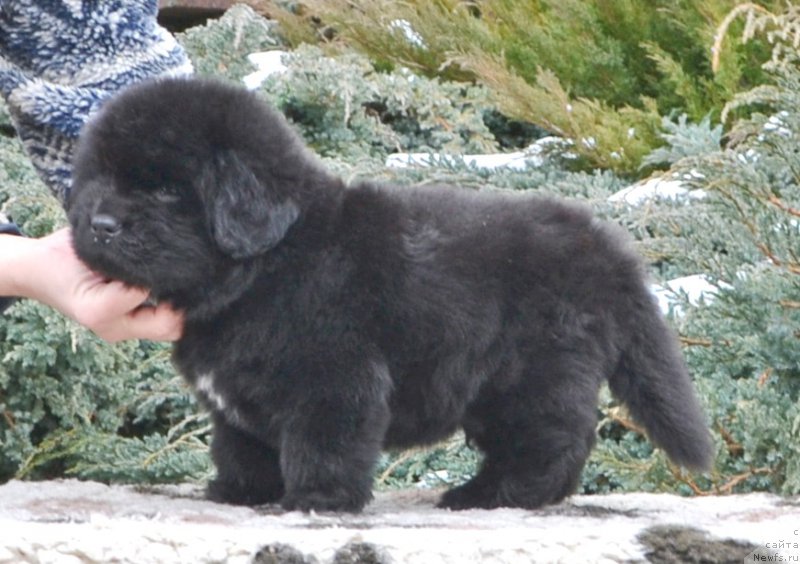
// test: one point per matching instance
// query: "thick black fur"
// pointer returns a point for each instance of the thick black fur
(325, 323)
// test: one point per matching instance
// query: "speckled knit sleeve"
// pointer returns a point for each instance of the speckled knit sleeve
(60, 59)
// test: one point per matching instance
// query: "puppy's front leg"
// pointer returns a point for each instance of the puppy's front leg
(331, 445)
(248, 472)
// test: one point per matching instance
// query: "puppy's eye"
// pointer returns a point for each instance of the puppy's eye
(168, 194)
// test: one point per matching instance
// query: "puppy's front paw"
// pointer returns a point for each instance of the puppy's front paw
(321, 501)
(468, 496)
(235, 493)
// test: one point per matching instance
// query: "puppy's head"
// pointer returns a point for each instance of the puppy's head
(176, 179)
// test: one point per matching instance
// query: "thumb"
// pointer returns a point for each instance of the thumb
(105, 307)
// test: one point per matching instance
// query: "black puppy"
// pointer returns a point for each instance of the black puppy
(325, 322)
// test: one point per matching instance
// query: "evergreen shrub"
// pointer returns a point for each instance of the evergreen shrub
(73, 406)
(744, 344)
(344, 107)
(221, 47)
(599, 72)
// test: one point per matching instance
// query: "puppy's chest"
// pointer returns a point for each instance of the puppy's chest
(219, 398)
(225, 399)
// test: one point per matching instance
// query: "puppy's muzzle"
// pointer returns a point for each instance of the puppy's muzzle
(105, 228)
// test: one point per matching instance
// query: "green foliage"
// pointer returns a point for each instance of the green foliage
(177, 454)
(74, 405)
(684, 139)
(15, 169)
(344, 107)
(220, 48)
(743, 345)
(447, 464)
(598, 72)
(5, 118)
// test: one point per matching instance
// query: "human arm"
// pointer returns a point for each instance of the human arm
(47, 270)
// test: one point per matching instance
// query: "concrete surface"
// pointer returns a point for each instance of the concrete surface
(86, 522)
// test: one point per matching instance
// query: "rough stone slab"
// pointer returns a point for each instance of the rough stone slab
(86, 522)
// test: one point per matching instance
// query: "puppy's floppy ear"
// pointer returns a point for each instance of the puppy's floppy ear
(245, 216)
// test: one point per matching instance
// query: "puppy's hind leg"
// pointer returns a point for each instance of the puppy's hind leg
(248, 471)
(536, 438)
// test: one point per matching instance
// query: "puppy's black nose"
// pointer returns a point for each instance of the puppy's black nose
(105, 227)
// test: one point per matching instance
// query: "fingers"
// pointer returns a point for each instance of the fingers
(120, 298)
(114, 312)
(110, 309)
(161, 323)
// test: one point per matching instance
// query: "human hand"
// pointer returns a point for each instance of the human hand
(49, 271)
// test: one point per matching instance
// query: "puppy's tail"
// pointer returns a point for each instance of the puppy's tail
(651, 379)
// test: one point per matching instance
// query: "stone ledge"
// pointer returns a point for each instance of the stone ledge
(86, 522)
